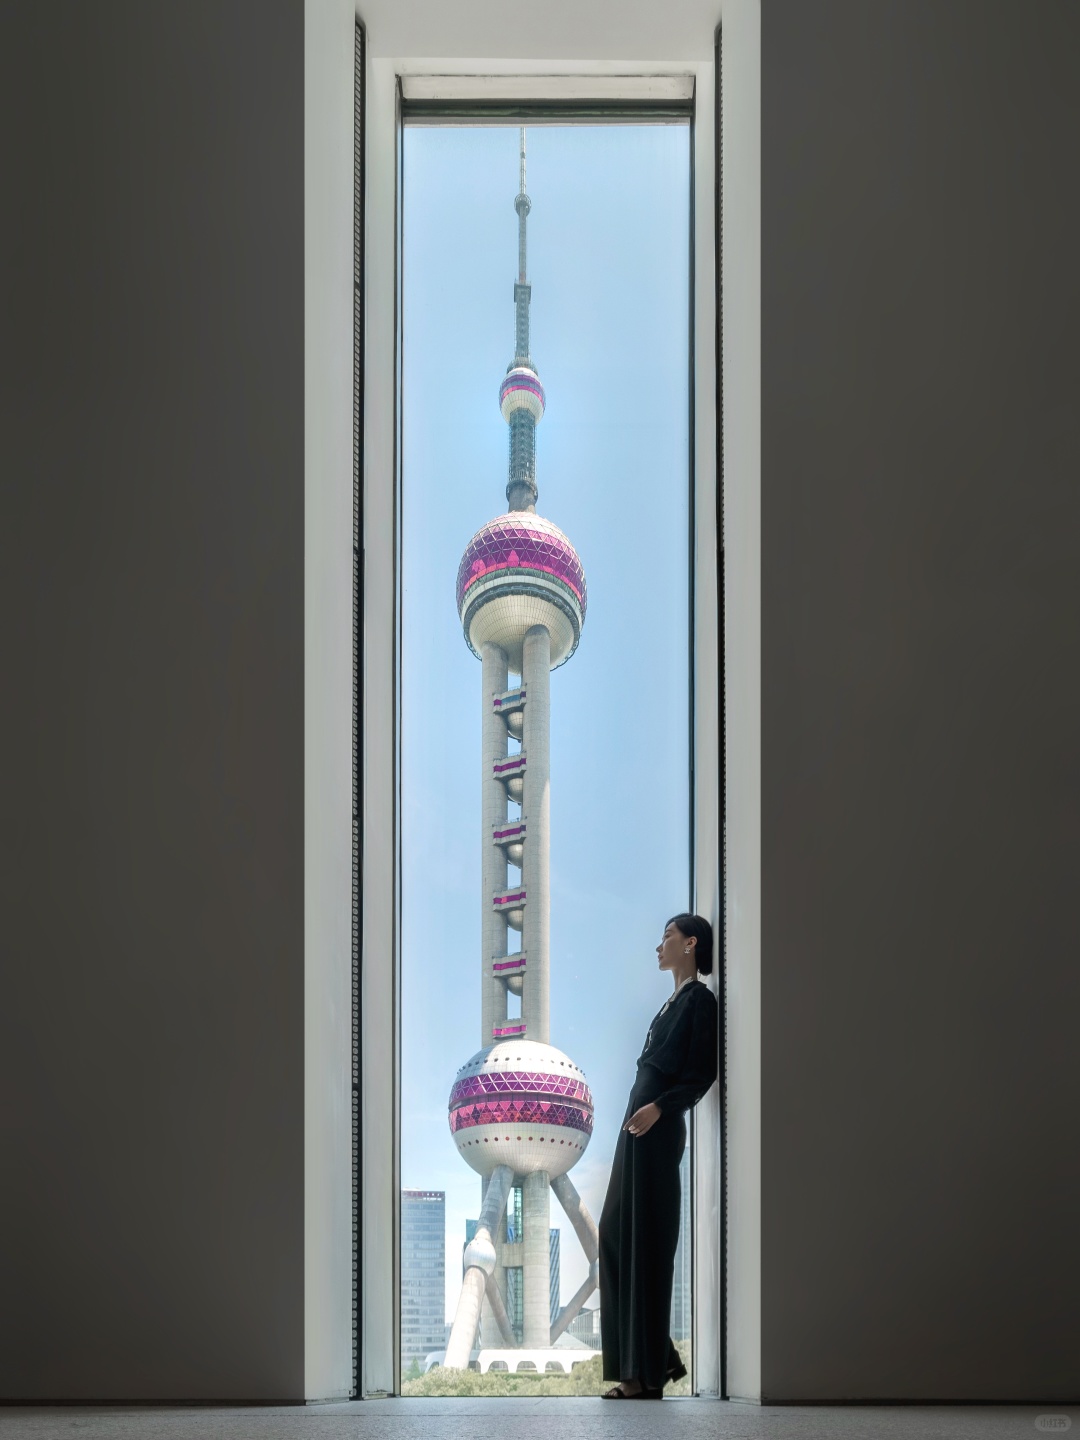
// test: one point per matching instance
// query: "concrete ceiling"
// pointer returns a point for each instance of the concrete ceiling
(558, 30)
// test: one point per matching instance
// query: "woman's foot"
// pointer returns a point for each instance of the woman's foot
(631, 1390)
(624, 1390)
(675, 1367)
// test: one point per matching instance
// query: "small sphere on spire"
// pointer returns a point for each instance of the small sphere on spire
(521, 390)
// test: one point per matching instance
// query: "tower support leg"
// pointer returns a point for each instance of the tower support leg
(585, 1228)
(479, 1264)
(493, 1333)
(583, 1223)
(498, 1311)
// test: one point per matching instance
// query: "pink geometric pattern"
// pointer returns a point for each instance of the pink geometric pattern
(520, 1082)
(521, 1112)
(522, 542)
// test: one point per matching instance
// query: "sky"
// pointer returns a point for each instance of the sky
(608, 240)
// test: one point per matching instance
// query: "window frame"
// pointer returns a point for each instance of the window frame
(378, 1358)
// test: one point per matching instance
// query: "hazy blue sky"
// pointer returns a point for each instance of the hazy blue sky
(608, 238)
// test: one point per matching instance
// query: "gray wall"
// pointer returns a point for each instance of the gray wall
(151, 565)
(920, 700)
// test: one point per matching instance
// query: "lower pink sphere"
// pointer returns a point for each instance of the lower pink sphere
(523, 1104)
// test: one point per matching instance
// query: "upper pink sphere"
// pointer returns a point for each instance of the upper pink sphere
(517, 571)
(521, 542)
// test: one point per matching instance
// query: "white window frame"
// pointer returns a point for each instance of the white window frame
(378, 1360)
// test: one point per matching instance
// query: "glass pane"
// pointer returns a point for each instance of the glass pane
(545, 714)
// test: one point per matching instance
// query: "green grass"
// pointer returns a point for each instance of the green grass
(584, 1379)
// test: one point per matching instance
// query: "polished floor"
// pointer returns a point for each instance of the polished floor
(543, 1419)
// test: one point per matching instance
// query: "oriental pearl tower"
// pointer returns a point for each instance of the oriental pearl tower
(521, 1113)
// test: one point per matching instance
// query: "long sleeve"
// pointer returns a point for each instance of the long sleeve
(699, 1060)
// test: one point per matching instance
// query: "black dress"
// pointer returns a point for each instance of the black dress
(639, 1225)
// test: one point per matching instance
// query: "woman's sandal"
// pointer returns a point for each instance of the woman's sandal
(618, 1393)
(678, 1370)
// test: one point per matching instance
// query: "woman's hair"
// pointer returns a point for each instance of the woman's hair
(695, 928)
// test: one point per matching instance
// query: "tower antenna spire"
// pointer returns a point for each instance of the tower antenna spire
(522, 290)
(522, 396)
(522, 210)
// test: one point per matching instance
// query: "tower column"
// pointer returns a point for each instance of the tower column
(536, 809)
(536, 875)
(492, 926)
(536, 1257)
(493, 863)
(493, 1007)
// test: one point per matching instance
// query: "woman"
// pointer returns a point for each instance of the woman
(639, 1226)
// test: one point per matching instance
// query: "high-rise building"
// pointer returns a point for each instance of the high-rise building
(586, 1327)
(520, 1111)
(681, 1290)
(555, 1247)
(423, 1273)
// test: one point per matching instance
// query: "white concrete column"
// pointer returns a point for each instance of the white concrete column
(536, 1258)
(536, 862)
(492, 926)
(493, 863)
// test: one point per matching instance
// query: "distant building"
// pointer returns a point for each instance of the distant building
(586, 1327)
(682, 1288)
(423, 1273)
(554, 1277)
(515, 1301)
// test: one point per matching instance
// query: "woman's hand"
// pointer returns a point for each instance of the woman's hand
(643, 1120)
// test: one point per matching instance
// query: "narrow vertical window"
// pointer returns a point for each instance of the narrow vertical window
(545, 703)
(357, 666)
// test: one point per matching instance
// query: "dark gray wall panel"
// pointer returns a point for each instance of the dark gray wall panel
(151, 565)
(920, 698)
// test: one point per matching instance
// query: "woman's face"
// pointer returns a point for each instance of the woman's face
(671, 952)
